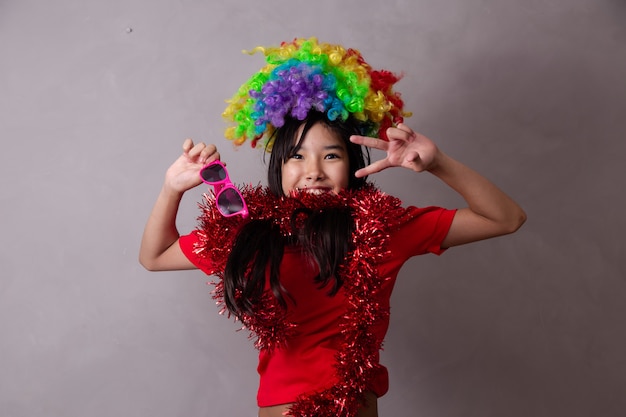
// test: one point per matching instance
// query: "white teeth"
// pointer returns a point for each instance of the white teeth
(315, 190)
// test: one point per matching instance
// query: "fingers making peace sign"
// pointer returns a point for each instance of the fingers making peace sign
(405, 148)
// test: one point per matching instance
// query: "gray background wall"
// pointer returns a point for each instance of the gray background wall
(96, 98)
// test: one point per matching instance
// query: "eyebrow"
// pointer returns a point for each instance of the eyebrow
(331, 147)
(327, 148)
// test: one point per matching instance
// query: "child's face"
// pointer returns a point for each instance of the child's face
(320, 165)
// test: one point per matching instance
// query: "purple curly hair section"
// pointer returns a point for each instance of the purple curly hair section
(294, 88)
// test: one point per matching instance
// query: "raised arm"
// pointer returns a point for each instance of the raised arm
(490, 211)
(159, 249)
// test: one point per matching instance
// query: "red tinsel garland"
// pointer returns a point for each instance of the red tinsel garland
(374, 213)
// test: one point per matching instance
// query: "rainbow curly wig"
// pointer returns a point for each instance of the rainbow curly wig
(305, 75)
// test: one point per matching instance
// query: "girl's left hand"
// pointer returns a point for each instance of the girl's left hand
(405, 148)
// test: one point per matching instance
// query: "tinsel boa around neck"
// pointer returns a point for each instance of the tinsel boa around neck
(374, 213)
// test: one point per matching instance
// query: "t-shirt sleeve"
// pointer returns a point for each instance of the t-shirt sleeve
(189, 244)
(422, 232)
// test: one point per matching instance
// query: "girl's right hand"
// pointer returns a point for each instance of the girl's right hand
(183, 174)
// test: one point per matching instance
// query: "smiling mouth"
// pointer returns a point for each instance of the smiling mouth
(316, 190)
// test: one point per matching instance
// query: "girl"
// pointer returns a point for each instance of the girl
(310, 267)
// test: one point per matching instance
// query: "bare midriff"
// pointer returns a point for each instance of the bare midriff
(370, 410)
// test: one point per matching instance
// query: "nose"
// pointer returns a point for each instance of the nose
(314, 171)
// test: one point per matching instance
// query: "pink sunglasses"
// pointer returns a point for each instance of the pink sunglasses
(228, 199)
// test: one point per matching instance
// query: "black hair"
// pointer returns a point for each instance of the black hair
(325, 236)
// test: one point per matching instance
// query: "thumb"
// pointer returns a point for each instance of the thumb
(412, 157)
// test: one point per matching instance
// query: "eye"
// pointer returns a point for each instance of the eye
(295, 156)
(332, 156)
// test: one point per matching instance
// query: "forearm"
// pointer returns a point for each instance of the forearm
(482, 196)
(160, 231)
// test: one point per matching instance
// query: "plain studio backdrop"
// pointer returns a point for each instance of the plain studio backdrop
(96, 98)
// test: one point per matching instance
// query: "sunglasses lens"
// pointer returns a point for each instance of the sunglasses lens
(213, 173)
(229, 202)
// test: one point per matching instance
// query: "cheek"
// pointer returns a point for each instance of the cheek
(343, 176)
(287, 180)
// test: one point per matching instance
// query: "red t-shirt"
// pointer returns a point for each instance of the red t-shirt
(306, 363)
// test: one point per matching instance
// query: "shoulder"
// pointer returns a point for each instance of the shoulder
(421, 230)
(370, 203)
